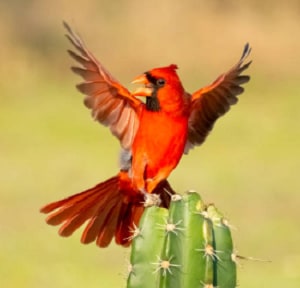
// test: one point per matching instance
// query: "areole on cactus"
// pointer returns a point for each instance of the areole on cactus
(187, 246)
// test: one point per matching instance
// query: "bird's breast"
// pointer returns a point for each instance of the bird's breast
(161, 139)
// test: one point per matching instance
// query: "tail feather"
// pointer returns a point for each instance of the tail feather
(69, 207)
(100, 219)
(79, 197)
(111, 208)
(107, 232)
(131, 216)
(71, 225)
(69, 211)
(76, 221)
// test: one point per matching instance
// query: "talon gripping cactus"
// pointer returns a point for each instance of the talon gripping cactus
(188, 246)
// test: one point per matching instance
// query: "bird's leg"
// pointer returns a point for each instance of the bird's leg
(163, 174)
(150, 199)
(139, 164)
(151, 183)
(146, 186)
(142, 186)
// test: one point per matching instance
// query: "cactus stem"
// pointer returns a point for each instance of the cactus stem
(164, 265)
(224, 222)
(187, 246)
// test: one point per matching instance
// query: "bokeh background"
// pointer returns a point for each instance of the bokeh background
(50, 147)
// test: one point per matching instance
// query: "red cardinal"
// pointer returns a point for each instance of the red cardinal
(153, 135)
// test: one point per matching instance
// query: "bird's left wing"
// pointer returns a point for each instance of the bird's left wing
(111, 103)
(213, 101)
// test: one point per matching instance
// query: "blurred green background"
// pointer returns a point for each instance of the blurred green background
(51, 148)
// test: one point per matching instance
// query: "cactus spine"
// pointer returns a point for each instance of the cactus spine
(187, 246)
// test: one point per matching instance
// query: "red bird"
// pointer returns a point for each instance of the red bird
(153, 135)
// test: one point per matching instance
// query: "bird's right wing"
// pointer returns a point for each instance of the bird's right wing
(111, 103)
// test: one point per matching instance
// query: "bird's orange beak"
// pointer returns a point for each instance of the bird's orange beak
(142, 91)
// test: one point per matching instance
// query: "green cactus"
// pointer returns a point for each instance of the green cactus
(187, 246)
(225, 266)
(151, 235)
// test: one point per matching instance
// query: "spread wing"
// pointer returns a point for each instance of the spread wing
(213, 101)
(111, 103)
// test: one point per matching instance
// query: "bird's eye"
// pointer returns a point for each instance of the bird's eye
(160, 82)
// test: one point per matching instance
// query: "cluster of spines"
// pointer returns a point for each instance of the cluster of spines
(189, 245)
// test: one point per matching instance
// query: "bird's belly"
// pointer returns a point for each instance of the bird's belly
(160, 143)
(164, 152)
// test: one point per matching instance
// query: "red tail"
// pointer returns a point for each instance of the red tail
(110, 208)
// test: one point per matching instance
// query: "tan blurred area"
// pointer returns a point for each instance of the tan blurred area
(51, 148)
(134, 35)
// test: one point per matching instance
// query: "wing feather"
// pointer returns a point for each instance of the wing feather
(213, 101)
(124, 117)
(87, 75)
(111, 103)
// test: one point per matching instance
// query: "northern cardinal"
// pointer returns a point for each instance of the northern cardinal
(153, 136)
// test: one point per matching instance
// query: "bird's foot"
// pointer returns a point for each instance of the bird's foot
(151, 200)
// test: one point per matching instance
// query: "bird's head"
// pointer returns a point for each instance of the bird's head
(162, 88)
